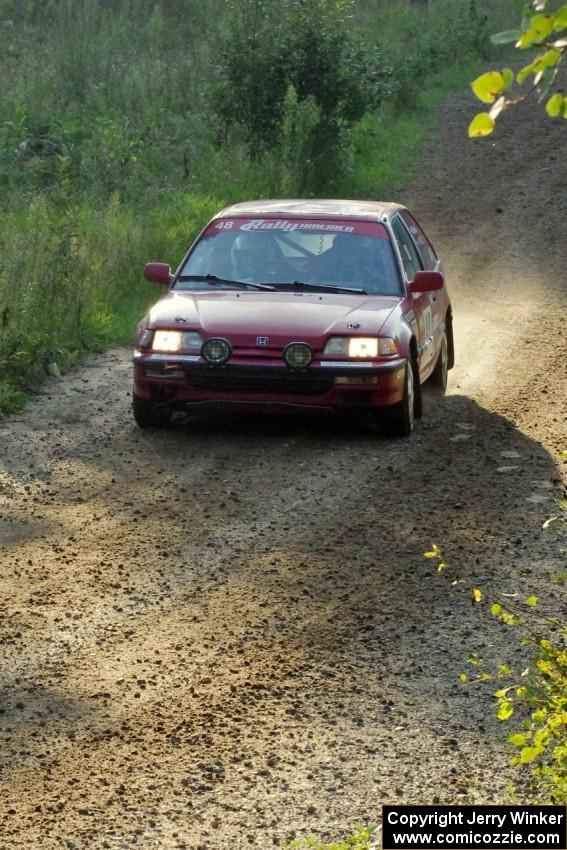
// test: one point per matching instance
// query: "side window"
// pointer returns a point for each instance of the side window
(410, 258)
(424, 246)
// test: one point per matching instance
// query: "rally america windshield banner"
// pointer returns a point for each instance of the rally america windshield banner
(285, 225)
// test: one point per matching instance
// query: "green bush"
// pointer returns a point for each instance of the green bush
(273, 46)
(71, 277)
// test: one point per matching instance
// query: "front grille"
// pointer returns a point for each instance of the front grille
(259, 380)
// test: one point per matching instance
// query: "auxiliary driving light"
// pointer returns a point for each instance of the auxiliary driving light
(298, 355)
(216, 351)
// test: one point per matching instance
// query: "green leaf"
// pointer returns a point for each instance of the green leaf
(547, 60)
(463, 677)
(507, 77)
(505, 710)
(531, 601)
(524, 73)
(560, 22)
(506, 36)
(496, 609)
(488, 86)
(521, 692)
(540, 27)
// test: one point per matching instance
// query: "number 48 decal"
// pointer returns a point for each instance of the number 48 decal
(224, 225)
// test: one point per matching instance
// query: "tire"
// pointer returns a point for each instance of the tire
(398, 419)
(438, 377)
(417, 396)
(450, 340)
(149, 415)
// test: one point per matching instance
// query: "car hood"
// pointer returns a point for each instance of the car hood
(281, 316)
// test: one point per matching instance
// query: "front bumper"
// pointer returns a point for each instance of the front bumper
(183, 379)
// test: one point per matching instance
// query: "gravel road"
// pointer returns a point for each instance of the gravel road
(226, 636)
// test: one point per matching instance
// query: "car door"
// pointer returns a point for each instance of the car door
(437, 300)
(411, 263)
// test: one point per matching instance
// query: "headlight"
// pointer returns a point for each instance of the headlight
(360, 346)
(216, 351)
(298, 355)
(177, 341)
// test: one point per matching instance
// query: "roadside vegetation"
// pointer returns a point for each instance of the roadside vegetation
(536, 692)
(124, 125)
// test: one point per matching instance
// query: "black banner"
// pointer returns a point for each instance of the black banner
(478, 827)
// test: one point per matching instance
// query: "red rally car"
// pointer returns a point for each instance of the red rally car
(327, 303)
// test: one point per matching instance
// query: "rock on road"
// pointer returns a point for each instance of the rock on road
(225, 635)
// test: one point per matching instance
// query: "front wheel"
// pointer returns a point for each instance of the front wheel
(398, 419)
(149, 415)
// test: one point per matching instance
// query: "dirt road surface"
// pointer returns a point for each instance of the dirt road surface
(226, 636)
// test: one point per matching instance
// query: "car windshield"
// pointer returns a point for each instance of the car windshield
(300, 253)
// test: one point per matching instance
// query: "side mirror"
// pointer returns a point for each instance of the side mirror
(426, 282)
(158, 273)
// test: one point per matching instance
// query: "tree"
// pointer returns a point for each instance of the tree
(281, 55)
(546, 31)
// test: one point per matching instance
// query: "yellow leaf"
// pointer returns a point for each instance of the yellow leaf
(488, 86)
(531, 601)
(554, 105)
(463, 677)
(434, 553)
(481, 125)
(528, 754)
(441, 566)
(505, 711)
(517, 740)
(476, 594)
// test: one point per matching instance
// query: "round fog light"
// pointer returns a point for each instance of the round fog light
(298, 355)
(216, 351)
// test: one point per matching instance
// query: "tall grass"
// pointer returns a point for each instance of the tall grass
(111, 153)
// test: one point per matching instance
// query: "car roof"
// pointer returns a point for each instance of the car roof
(313, 208)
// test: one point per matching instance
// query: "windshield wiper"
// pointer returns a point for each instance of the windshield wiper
(326, 287)
(214, 279)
